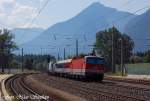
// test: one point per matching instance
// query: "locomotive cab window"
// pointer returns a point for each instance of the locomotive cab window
(92, 60)
(61, 65)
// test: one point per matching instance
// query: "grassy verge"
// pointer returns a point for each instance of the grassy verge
(18, 71)
(139, 68)
(118, 73)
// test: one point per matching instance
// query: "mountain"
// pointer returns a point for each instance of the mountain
(83, 27)
(138, 29)
(23, 35)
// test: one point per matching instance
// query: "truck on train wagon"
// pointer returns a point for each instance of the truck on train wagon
(89, 67)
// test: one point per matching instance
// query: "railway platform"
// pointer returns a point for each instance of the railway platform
(139, 76)
(131, 76)
(3, 94)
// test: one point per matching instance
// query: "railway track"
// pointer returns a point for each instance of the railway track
(93, 91)
(128, 80)
(97, 91)
(137, 93)
(1, 92)
(101, 94)
(21, 91)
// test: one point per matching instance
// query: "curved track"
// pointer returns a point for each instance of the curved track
(21, 91)
(108, 90)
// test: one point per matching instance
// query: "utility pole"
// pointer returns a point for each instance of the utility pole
(112, 51)
(64, 53)
(41, 50)
(121, 55)
(77, 48)
(9, 69)
(22, 59)
(58, 57)
(2, 53)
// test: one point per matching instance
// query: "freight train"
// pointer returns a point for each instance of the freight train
(89, 67)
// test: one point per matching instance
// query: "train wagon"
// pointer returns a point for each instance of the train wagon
(86, 67)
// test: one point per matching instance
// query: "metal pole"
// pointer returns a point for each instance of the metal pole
(64, 53)
(22, 60)
(77, 47)
(41, 51)
(58, 57)
(113, 51)
(122, 55)
(3, 68)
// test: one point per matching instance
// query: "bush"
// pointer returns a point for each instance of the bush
(136, 59)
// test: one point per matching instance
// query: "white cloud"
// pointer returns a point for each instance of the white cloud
(2, 3)
(24, 11)
(7, 1)
(40, 0)
(19, 15)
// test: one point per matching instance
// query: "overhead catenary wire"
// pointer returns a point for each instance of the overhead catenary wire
(126, 3)
(118, 19)
(135, 27)
(124, 17)
(47, 3)
(39, 12)
(84, 36)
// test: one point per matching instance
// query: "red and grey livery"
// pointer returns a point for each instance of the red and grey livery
(87, 67)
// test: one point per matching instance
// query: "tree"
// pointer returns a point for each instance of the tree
(128, 45)
(29, 64)
(112, 37)
(140, 54)
(6, 47)
(147, 56)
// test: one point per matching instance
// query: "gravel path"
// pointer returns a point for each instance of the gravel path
(2, 88)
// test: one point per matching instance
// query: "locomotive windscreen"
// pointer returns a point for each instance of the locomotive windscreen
(93, 60)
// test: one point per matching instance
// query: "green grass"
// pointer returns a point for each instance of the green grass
(18, 71)
(139, 68)
(118, 73)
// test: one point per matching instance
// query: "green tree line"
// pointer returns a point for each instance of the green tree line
(34, 62)
(141, 57)
(7, 45)
(109, 38)
(8, 59)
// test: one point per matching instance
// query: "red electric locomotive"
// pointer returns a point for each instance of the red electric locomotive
(87, 67)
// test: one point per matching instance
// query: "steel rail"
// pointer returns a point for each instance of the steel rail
(24, 86)
(94, 92)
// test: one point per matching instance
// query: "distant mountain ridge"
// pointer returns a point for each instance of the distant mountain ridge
(23, 35)
(83, 27)
(139, 29)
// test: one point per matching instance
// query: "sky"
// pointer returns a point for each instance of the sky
(20, 13)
